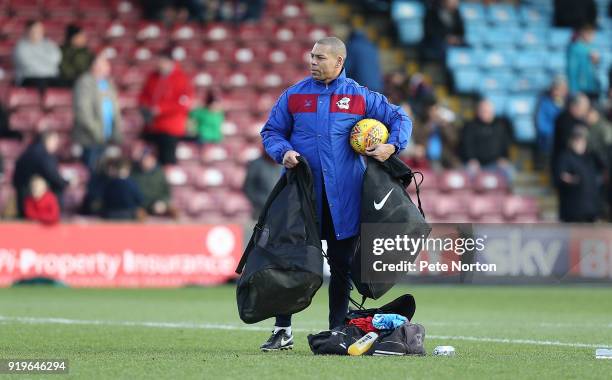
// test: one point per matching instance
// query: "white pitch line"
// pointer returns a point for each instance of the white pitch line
(214, 326)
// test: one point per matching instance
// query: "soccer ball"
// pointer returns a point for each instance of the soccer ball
(366, 133)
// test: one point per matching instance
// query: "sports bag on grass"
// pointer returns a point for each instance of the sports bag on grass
(282, 266)
(408, 339)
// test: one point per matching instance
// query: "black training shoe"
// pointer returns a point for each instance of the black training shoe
(278, 341)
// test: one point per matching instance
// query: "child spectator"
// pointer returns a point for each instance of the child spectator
(206, 121)
(151, 180)
(41, 205)
(122, 197)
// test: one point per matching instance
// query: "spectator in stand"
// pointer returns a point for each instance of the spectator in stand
(151, 180)
(441, 136)
(262, 175)
(165, 102)
(600, 136)
(76, 56)
(396, 87)
(575, 113)
(206, 121)
(578, 179)
(582, 61)
(549, 107)
(363, 63)
(485, 142)
(97, 115)
(38, 159)
(418, 93)
(443, 27)
(122, 198)
(36, 58)
(574, 14)
(5, 131)
(98, 180)
(41, 205)
(415, 154)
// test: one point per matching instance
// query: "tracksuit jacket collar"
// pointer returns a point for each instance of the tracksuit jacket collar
(335, 82)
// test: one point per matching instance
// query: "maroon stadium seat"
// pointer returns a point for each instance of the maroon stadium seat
(454, 181)
(178, 175)
(58, 120)
(199, 203)
(518, 207)
(209, 177)
(216, 32)
(235, 204)
(23, 97)
(10, 149)
(487, 181)
(450, 207)
(185, 32)
(214, 153)
(486, 206)
(248, 153)
(25, 120)
(186, 151)
(57, 98)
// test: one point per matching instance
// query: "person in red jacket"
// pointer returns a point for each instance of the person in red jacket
(41, 205)
(165, 102)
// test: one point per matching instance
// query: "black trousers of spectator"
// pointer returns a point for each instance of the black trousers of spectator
(166, 147)
(340, 253)
(43, 83)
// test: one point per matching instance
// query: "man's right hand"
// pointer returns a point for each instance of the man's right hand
(290, 159)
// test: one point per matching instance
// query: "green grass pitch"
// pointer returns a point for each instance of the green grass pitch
(498, 332)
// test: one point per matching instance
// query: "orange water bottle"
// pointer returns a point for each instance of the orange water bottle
(363, 344)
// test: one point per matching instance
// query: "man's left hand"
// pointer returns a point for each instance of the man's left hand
(381, 152)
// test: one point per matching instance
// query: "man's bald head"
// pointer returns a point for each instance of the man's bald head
(337, 46)
(327, 59)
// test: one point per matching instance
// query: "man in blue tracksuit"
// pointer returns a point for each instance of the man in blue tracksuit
(313, 118)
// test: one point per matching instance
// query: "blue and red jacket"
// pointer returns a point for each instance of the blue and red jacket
(315, 120)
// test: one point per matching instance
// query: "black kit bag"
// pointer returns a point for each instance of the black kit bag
(404, 305)
(334, 342)
(384, 199)
(282, 266)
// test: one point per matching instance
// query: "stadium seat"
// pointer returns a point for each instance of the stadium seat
(200, 203)
(533, 16)
(466, 80)
(185, 32)
(475, 33)
(178, 175)
(59, 120)
(211, 153)
(515, 207)
(248, 153)
(216, 32)
(502, 14)
(458, 57)
(25, 120)
(495, 59)
(75, 173)
(501, 37)
(495, 81)
(57, 98)
(454, 181)
(410, 33)
(186, 151)
(10, 149)
(236, 204)
(520, 106)
(532, 38)
(485, 207)
(23, 97)
(556, 62)
(499, 100)
(489, 182)
(530, 59)
(209, 177)
(524, 129)
(472, 12)
(531, 82)
(559, 38)
(450, 208)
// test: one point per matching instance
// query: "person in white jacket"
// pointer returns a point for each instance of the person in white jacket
(36, 58)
